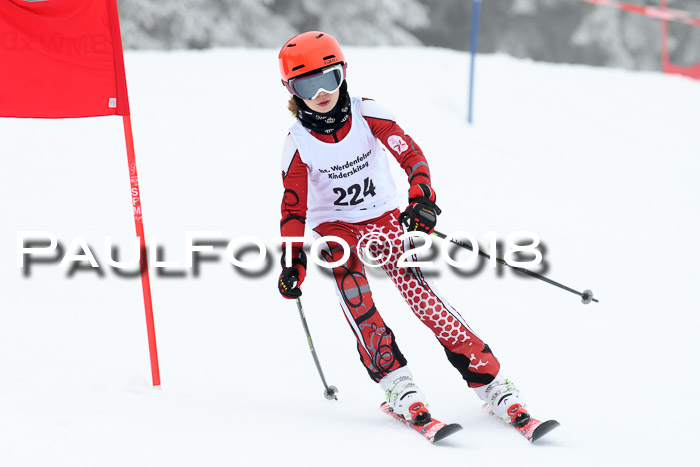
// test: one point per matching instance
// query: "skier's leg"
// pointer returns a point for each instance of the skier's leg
(376, 344)
(465, 350)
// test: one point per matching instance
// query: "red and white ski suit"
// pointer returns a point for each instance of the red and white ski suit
(352, 216)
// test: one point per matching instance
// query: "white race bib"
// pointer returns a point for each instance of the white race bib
(349, 180)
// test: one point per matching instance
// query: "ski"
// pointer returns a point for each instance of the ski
(533, 430)
(433, 431)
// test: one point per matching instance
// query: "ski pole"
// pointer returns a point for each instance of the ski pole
(586, 295)
(330, 391)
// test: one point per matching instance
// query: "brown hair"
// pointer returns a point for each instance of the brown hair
(292, 106)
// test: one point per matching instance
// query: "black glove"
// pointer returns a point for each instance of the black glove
(421, 213)
(292, 277)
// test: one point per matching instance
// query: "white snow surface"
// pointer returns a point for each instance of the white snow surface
(602, 164)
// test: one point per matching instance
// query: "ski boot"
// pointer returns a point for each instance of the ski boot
(504, 401)
(404, 397)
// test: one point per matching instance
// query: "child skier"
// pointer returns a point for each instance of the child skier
(337, 180)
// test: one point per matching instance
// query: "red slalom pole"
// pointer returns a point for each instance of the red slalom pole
(145, 280)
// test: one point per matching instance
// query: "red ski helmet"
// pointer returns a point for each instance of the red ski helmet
(307, 52)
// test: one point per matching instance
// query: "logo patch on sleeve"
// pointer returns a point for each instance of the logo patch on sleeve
(397, 143)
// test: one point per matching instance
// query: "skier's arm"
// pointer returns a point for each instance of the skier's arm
(295, 181)
(404, 149)
(293, 223)
(421, 213)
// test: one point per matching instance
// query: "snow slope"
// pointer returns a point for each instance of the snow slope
(601, 163)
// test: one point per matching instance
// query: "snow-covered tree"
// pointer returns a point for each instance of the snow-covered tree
(549, 30)
(358, 22)
(183, 24)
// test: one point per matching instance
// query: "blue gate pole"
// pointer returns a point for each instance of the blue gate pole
(476, 10)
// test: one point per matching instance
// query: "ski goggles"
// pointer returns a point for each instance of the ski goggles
(308, 87)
